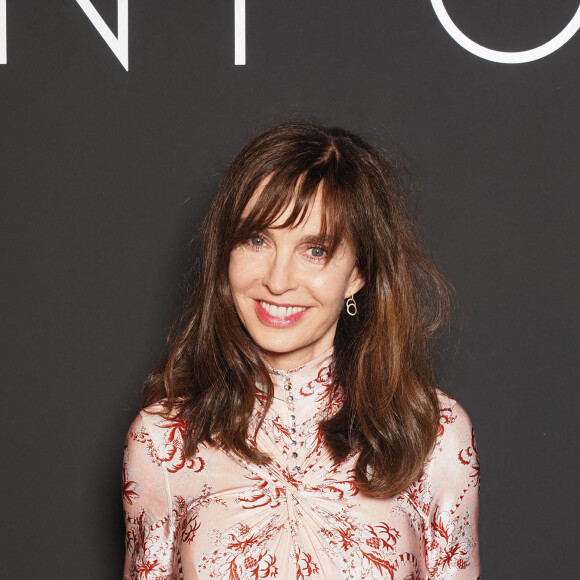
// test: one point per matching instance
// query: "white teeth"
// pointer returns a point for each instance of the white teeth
(281, 311)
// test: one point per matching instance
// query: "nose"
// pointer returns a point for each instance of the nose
(280, 275)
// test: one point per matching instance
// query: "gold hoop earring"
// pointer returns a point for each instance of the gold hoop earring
(351, 306)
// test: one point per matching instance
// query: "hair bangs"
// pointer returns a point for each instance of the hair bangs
(284, 190)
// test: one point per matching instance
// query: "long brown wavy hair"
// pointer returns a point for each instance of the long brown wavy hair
(382, 362)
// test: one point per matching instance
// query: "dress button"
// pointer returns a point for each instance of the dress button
(297, 468)
(293, 442)
(292, 430)
(293, 417)
(294, 454)
(290, 399)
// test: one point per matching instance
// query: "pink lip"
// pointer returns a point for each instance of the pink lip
(270, 320)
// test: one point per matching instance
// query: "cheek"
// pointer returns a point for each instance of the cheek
(330, 286)
(243, 271)
(237, 283)
(236, 271)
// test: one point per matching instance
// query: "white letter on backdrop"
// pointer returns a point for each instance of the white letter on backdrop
(240, 31)
(500, 56)
(3, 53)
(118, 44)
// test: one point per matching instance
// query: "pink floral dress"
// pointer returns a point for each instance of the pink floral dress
(302, 516)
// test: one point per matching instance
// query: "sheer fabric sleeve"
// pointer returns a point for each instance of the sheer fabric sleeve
(149, 538)
(452, 541)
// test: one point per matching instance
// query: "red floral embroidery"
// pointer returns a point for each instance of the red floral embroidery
(240, 553)
(468, 456)
(305, 565)
(446, 417)
(141, 541)
(129, 493)
(170, 454)
(366, 547)
(263, 494)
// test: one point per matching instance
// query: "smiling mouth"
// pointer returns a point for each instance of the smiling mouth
(281, 311)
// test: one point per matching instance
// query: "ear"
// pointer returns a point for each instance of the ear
(355, 283)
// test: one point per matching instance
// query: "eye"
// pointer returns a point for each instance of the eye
(316, 254)
(257, 241)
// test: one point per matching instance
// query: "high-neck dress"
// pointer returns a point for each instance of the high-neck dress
(216, 516)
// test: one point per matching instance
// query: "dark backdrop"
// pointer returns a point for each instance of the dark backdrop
(106, 173)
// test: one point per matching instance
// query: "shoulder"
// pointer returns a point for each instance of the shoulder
(153, 420)
(163, 432)
(158, 428)
(455, 427)
(454, 460)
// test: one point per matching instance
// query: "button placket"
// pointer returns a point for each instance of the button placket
(292, 421)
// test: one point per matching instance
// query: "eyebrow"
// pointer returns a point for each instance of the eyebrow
(315, 240)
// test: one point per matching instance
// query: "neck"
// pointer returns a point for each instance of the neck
(288, 364)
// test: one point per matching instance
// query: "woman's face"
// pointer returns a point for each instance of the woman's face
(287, 293)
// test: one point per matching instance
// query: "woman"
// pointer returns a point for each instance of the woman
(294, 429)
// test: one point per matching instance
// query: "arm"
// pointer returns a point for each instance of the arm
(452, 541)
(149, 539)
